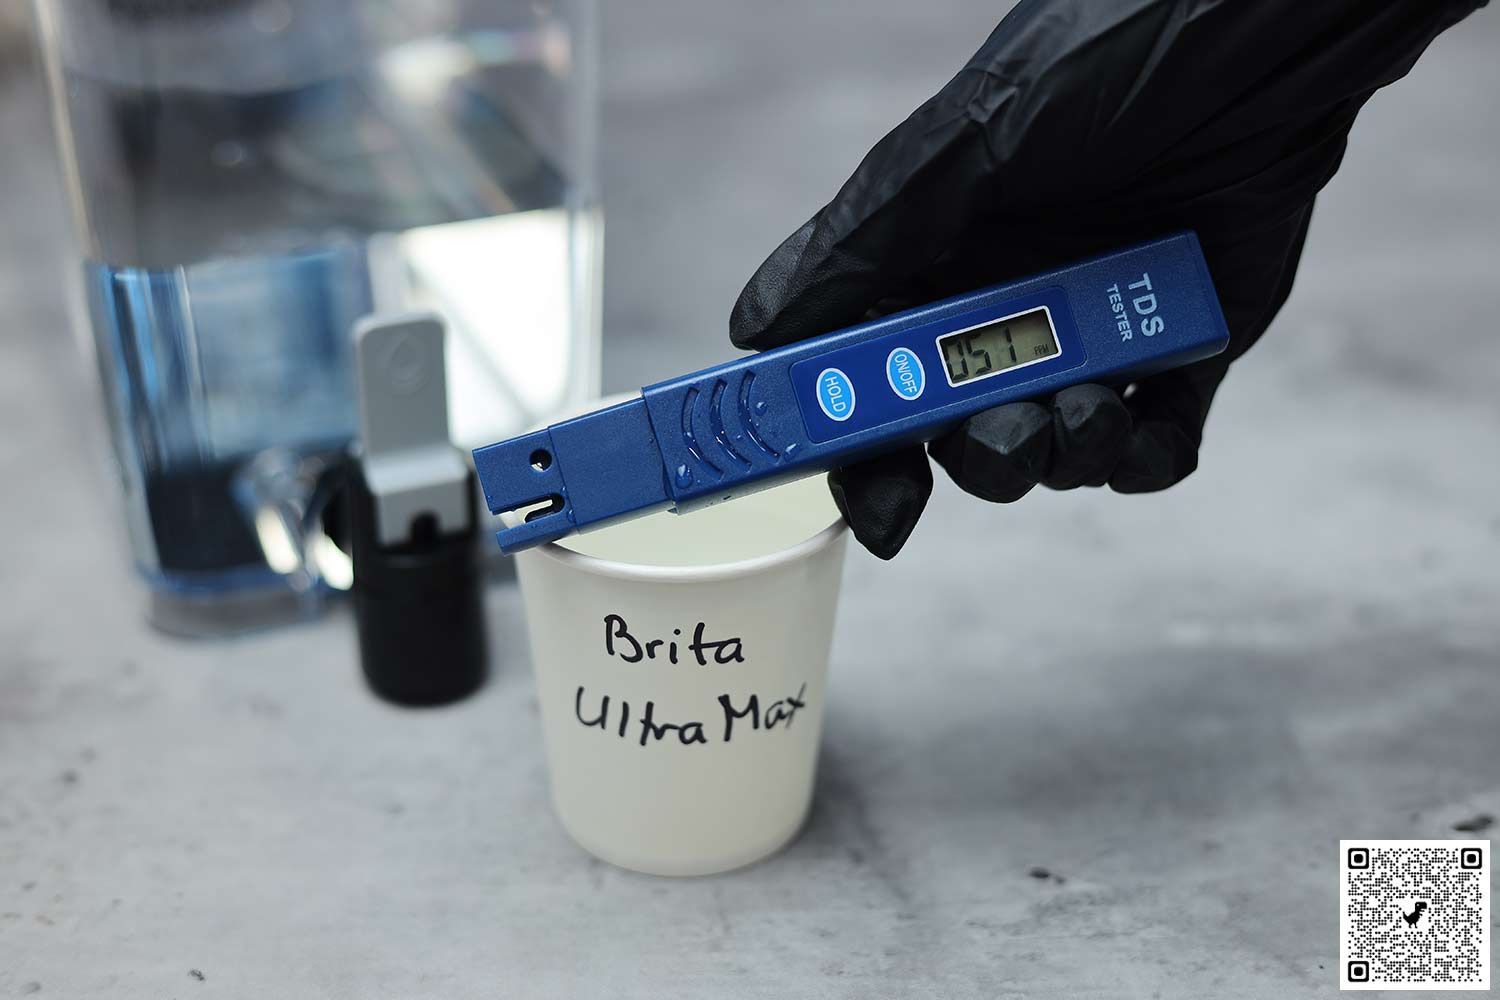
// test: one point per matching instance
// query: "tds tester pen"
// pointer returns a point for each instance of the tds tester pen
(812, 406)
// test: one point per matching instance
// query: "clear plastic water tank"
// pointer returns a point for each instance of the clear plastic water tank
(250, 177)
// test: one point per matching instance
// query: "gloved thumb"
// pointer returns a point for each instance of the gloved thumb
(883, 498)
(1167, 413)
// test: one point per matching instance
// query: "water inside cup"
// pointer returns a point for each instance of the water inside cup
(761, 524)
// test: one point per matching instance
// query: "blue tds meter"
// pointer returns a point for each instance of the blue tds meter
(821, 403)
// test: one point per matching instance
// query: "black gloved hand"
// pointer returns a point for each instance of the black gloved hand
(1082, 126)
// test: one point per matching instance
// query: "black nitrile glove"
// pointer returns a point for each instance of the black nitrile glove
(1082, 126)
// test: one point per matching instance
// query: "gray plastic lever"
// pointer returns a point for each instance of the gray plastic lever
(410, 464)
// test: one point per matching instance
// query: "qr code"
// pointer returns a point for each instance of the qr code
(1414, 914)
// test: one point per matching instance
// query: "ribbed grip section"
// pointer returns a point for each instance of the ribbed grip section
(721, 430)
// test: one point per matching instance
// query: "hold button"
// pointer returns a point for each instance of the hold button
(835, 394)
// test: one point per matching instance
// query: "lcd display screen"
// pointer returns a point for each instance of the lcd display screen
(997, 347)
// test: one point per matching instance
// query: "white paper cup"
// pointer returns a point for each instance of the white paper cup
(680, 665)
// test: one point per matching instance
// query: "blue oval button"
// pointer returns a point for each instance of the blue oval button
(835, 394)
(903, 370)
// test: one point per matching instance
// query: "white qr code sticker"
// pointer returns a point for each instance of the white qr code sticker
(1414, 914)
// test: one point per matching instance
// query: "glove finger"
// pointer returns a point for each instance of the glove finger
(999, 454)
(1167, 413)
(753, 322)
(882, 498)
(1158, 454)
(1091, 426)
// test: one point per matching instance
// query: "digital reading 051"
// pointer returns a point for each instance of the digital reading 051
(996, 347)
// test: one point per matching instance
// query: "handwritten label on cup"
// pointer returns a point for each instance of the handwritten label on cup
(728, 717)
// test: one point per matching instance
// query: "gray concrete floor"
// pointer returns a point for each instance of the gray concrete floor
(1182, 704)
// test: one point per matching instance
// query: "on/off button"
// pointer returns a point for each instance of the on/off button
(903, 370)
(835, 394)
